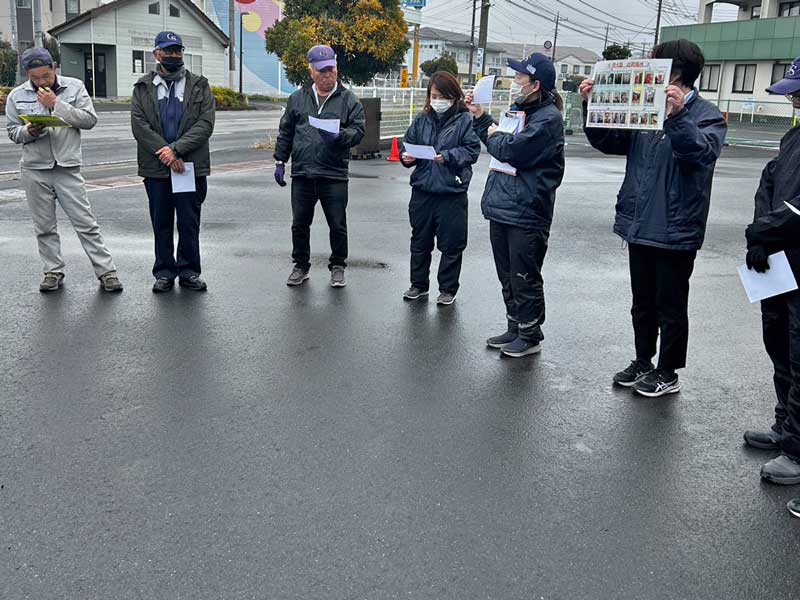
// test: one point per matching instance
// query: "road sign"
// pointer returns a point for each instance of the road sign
(413, 3)
(404, 77)
(479, 61)
(548, 45)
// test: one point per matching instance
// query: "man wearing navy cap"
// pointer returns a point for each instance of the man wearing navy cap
(50, 167)
(319, 161)
(172, 117)
(776, 228)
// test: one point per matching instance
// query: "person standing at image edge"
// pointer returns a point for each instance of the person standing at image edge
(172, 117)
(438, 207)
(320, 161)
(519, 207)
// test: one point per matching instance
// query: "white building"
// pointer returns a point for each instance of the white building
(570, 61)
(110, 46)
(746, 55)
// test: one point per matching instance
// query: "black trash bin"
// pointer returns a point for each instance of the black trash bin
(370, 146)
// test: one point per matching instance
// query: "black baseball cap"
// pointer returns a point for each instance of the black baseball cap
(33, 58)
(790, 84)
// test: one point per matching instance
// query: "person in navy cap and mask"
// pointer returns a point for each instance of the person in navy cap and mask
(661, 213)
(319, 161)
(172, 117)
(520, 207)
(776, 228)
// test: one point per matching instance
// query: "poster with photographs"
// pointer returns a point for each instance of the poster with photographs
(629, 94)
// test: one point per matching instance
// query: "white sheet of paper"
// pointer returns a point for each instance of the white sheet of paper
(329, 125)
(482, 92)
(184, 182)
(496, 165)
(423, 152)
(508, 124)
(792, 208)
(778, 280)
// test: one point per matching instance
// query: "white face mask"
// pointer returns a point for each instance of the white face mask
(441, 106)
(517, 90)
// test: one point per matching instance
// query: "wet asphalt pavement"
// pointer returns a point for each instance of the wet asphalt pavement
(263, 442)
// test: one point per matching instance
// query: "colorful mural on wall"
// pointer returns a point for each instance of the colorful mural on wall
(263, 73)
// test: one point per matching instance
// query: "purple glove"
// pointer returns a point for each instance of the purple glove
(280, 175)
(327, 137)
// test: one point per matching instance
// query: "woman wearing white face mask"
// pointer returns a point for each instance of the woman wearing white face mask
(438, 207)
(519, 207)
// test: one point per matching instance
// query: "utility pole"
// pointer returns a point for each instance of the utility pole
(38, 38)
(555, 38)
(232, 47)
(241, 48)
(471, 40)
(658, 19)
(485, 5)
(415, 64)
(605, 40)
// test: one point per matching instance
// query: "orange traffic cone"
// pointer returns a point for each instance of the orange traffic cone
(394, 156)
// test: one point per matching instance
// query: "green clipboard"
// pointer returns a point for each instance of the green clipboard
(44, 121)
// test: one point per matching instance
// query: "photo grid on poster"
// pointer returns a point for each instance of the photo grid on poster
(629, 94)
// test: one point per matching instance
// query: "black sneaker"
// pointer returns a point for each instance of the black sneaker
(498, 341)
(163, 284)
(414, 293)
(193, 283)
(445, 299)
(763, 440)
(633, 374)
(658, 383)
(521, 347)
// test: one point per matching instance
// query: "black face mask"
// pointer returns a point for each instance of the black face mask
(171, 64)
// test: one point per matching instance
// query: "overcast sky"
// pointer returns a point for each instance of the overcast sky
(526, 21)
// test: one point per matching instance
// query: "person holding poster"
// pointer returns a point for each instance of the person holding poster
(775, 228)
(438, 207)
(519, 207)
(661, 213)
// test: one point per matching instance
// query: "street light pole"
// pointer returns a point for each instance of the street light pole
(658, 19)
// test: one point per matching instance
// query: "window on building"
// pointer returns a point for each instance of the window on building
(565, 69)
(23, 3)
(138, 62)
(149, 62)
(779, 71)
(709, 78)
(73, 7)
(789, 9)
(174, 11)
(576, 69)
(755, 12)
(744, 77)
(587, 70)
(154, 8)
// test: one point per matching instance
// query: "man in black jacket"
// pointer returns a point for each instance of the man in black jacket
(662, 211)
(776, 228)
(319, 161)
(172, 118)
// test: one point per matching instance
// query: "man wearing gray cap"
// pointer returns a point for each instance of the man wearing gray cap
(50, 167)
(320, 160)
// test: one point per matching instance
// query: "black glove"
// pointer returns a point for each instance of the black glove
(757, 259)
(280, 175)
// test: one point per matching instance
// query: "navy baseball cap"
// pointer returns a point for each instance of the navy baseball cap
(33, 58)
(321, 57)
(165, 39)
(539, 67)
(790, 84)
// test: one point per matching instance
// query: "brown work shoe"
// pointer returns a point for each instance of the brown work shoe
(110, 282)
(51, 282)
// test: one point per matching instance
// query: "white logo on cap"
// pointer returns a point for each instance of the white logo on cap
(531, 69)
(792, 71)
(171, 36)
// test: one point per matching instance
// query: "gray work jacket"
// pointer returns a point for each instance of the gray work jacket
(57, 145)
